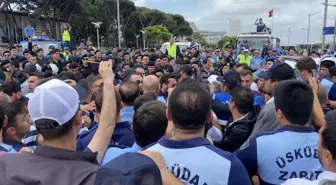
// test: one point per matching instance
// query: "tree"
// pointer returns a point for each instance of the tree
(155, 34)
(199, 38)
(225, 41)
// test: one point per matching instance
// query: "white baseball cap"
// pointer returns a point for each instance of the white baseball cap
(213, 79)
(53, 100)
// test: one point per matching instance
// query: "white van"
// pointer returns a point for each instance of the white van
(182, 45)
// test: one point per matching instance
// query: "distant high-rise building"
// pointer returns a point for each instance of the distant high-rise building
(212, 37)
(234, 27)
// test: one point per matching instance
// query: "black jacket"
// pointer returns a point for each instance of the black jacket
(236, 133)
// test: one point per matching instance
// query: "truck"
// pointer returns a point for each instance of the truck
(256, 40)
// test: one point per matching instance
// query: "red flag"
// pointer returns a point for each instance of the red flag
(270, 13)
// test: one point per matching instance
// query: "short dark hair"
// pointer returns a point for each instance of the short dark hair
(56, 132)
(189, 105)
(246, 72)
(186, 69)
(306, 63)
(150, 123)
(144, 99)
(94, 79)
(243, 99)
(11, 110)
(68, 76)
(11, 87)
(165, 78)
(291, 94)
(245, 66)
(100, 99)
(129, 91)
(328, 136)
(126, 75)
(97, 51)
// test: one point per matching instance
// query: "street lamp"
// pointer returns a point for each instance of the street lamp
(309, 24)
(97, 25)
(325, 20)
(137, 40)
(289, 28)
(143, 36)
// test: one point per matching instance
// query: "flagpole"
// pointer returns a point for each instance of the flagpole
(272, 20)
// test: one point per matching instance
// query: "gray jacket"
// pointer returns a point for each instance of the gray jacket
(266, 120)
(48, 166)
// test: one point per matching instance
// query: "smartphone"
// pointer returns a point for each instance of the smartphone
(314, 73)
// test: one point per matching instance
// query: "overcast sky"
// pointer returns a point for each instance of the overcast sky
(214, 15)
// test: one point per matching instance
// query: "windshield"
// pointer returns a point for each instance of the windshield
(44, 46)
(253, 42)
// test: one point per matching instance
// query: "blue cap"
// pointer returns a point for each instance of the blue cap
(231, 78)
(278, 71)
(129, 169)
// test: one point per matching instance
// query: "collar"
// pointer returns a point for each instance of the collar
(123, 124)
(136, 147)
(302, 129)
(270, 100)
(128, 109)
(327, 175)
(2, 149)
(60, 153)
(188, 143)
(241, 118)
(15, 144)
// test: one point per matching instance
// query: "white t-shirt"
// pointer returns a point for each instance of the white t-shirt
(254, 87)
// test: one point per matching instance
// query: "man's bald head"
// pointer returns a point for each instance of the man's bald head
(151, 84)
(4, 99)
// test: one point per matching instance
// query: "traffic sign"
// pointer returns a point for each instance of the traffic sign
(328, 30)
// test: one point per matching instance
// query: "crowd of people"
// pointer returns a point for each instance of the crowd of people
(184, 116)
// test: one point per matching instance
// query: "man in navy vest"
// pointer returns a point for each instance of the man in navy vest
(290, 151)
(188, 147)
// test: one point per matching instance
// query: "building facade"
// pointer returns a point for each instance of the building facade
(212, 37)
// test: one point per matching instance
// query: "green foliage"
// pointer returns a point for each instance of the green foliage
(227, 40)
(200, 39)
(156, 34)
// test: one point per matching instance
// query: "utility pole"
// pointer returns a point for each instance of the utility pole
(97, 26)
(143, 36)
(137, 40)
(324, 21)
(309, 24)
(334, 42)
(289, 28)
(118, 17)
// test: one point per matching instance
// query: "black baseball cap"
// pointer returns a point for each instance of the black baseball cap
(30, 68)
(73, 65)
(129, 169)
(278, 71)
(231, 78)
(51, 47)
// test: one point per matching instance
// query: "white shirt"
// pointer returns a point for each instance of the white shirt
(270, 100)
(254, 87)
(321, 178)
